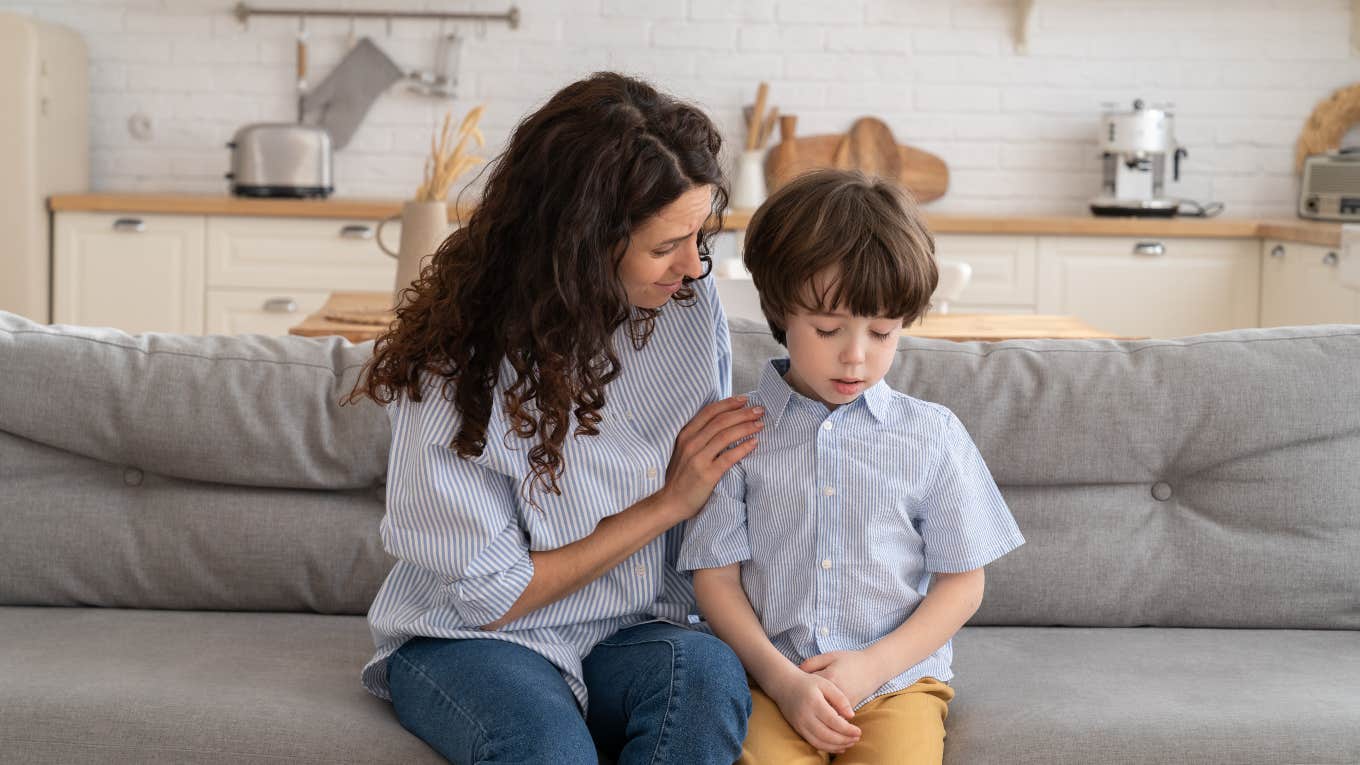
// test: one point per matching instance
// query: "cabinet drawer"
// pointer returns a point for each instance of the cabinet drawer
(135, 272)
(299, 254)
(259, 312)
(1004, 268)
(1152, 286)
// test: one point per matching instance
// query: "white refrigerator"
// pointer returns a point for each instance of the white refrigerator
(44, 150)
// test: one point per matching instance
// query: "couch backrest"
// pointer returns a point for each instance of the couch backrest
(1208, 481)
(1205, 481)
(168, 471)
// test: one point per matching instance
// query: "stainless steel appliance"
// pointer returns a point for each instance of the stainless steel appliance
(1135, 146)
(1331, 186)
(44, 150)
(282, 159)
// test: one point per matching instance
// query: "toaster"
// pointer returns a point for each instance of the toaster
(1331, 186)
(280, 159)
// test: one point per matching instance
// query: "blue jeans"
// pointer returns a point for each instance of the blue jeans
(658, 694)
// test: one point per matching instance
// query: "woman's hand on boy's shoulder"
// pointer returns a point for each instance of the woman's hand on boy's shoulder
(705, 449)
(853, 672)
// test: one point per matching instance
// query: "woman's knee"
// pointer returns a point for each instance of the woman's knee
(713, 671)
(468, 719)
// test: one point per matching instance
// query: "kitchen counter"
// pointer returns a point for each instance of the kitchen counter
(1289, 230)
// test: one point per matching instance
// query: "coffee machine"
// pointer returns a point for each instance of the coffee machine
(1135, 146)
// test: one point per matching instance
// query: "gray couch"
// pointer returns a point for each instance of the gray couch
(188, 543)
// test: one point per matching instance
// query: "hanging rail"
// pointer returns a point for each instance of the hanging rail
(243, 12)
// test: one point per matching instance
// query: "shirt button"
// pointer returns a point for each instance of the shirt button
(827, 426)
(828, 491)
(823, 631)
(651, 472)
(826, 563)
(640, 570)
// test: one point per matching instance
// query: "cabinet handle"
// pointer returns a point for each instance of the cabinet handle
(1149, 248)
(130, 225)
(281, 305)
(1277, 251)
(356, 231)
(1330, 259)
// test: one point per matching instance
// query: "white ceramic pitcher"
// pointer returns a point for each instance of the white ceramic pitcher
(424, 226)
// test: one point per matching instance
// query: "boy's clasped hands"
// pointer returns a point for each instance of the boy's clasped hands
(818, 697)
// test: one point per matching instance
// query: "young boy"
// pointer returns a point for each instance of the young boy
(812, 557)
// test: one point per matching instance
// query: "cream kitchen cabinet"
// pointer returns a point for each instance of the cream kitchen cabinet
(1004, 271)
(1300, 285)
(214, 274)
(265, 275)
(259, 312)
(1143, 287)
(138, 273)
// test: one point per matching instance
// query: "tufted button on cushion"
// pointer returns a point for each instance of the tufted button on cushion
(1161, 491)
(132, 476)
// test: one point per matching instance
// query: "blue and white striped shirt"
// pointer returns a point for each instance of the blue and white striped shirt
(462, 531)
(838, 519)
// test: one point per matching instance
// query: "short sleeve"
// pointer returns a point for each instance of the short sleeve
(965, 523)
(453, 517)
(717, 536)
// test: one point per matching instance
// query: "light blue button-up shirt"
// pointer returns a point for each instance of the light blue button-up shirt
(839, 517)
(462, 531)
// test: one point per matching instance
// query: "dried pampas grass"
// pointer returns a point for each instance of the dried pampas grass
(445, 164)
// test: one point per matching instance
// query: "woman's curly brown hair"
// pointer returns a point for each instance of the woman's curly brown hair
(530, 282)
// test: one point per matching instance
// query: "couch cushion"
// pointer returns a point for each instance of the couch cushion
(1202, 482)
(248, 409)
(1116, 696)
(116, 686)
(79, 531)
(109, 685)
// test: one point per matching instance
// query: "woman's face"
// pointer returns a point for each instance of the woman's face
(665, 249)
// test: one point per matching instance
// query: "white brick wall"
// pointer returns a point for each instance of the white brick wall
(1017, 131)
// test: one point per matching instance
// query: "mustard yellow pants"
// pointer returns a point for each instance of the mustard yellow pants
(903, 728)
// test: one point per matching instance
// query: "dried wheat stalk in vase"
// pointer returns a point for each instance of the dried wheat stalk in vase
(445, 165)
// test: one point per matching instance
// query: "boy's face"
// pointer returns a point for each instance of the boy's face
(834, 357)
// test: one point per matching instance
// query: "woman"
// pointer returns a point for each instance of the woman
(553, 387)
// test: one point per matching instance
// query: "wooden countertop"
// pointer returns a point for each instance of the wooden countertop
(1291, 230)
(361, 316)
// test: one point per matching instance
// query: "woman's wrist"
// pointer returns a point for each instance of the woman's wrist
(667, 508)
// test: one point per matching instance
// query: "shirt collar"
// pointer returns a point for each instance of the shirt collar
(775, 394)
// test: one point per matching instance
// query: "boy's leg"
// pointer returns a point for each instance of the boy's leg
(770, 740)
(905, 727)
(661, 694)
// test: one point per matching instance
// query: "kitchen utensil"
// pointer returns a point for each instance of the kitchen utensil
(301, 63)
(442, 80)
(757, 117)
(340, 102)
(923, 173)
(870, 148)
(280, 160)
(767, 128)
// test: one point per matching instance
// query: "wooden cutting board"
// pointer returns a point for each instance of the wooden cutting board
(868, 147)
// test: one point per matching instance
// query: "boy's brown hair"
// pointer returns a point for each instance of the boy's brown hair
(868, 230)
